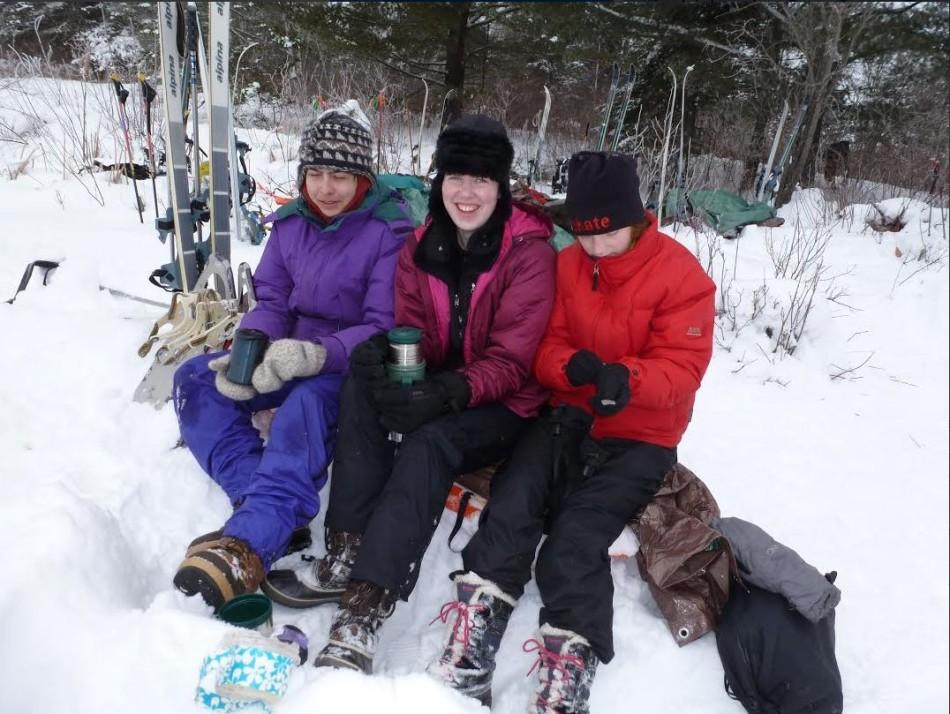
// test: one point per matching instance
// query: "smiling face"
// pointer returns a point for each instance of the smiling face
(606, 245)
(331, 190)
(469, 200)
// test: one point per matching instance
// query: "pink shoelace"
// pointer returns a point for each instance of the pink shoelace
(462, 629)
(554, 661)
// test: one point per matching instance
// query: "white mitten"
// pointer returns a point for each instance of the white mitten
(286, 360)
(227, 388)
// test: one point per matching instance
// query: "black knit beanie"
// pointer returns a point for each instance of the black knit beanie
(603, 192)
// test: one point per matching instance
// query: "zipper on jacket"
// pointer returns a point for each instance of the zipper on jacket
(596, 277)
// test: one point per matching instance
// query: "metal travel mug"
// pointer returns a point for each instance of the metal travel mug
(247, 351)
(405, 363)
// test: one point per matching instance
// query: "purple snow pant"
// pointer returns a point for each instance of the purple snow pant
(277, 485)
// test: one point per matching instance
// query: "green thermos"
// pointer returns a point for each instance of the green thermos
(405, 364)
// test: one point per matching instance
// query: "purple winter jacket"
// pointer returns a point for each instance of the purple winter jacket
(330, 283)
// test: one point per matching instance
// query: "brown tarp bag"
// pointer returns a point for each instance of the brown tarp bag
(686, 564)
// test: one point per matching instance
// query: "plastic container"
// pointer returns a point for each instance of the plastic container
(252, 611)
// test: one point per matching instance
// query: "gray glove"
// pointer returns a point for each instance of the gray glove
(227, 388)
(285, 360)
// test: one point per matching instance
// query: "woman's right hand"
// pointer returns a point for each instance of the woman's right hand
(227, 388)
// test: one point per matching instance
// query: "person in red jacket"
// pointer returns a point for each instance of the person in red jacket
(628, 342)
(478, 279)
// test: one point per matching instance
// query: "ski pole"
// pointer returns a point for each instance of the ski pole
(148, 96)
(121, 94)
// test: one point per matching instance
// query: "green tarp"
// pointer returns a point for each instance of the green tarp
(725, 212)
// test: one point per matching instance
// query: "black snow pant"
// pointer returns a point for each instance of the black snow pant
(395, 497)
(595, 488)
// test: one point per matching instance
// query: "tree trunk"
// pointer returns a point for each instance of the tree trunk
(808, 174)
(455, 61)
(823, 64)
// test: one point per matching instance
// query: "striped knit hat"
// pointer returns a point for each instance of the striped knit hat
(340, 139)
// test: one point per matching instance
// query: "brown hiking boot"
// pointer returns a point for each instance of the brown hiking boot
(354, 633)
(324, 582)
(221, 571)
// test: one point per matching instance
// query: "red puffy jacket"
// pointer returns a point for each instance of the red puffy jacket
(506, 316)
(652, 310)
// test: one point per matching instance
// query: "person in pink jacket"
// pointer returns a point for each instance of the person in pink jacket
(478, 279)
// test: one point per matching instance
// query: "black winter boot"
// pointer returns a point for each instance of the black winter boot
(354, 632)
(481, 612)
(566, 665)
(325, 582)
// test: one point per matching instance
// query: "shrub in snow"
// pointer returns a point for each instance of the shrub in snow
(106, 49)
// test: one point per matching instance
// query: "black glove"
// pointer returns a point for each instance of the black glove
(404, 408)
(613, 389)
(583, 368)
(368, 358)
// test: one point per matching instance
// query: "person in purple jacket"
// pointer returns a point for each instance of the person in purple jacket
(324, 285)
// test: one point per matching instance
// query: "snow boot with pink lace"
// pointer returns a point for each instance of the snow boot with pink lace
(566, 665)
(481, 615)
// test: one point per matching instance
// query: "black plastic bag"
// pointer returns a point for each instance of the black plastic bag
(775, 660)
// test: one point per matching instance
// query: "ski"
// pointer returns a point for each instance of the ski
(679, 205)
(534, 171)
(611, 95)
(170, 23)
(624, 106)
(760, 187)
(416, 151)
(774, 178)
(220, 137)
(667, 130)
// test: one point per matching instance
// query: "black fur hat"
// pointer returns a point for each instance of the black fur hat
(476, 145)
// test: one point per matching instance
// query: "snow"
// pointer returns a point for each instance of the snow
(98, 507)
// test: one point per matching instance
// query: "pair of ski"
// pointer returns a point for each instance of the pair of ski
(680, 204)
(201, 318)
(621, 97)
(768, 181)
(184, 211)
(534, 165)
(619, 100)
